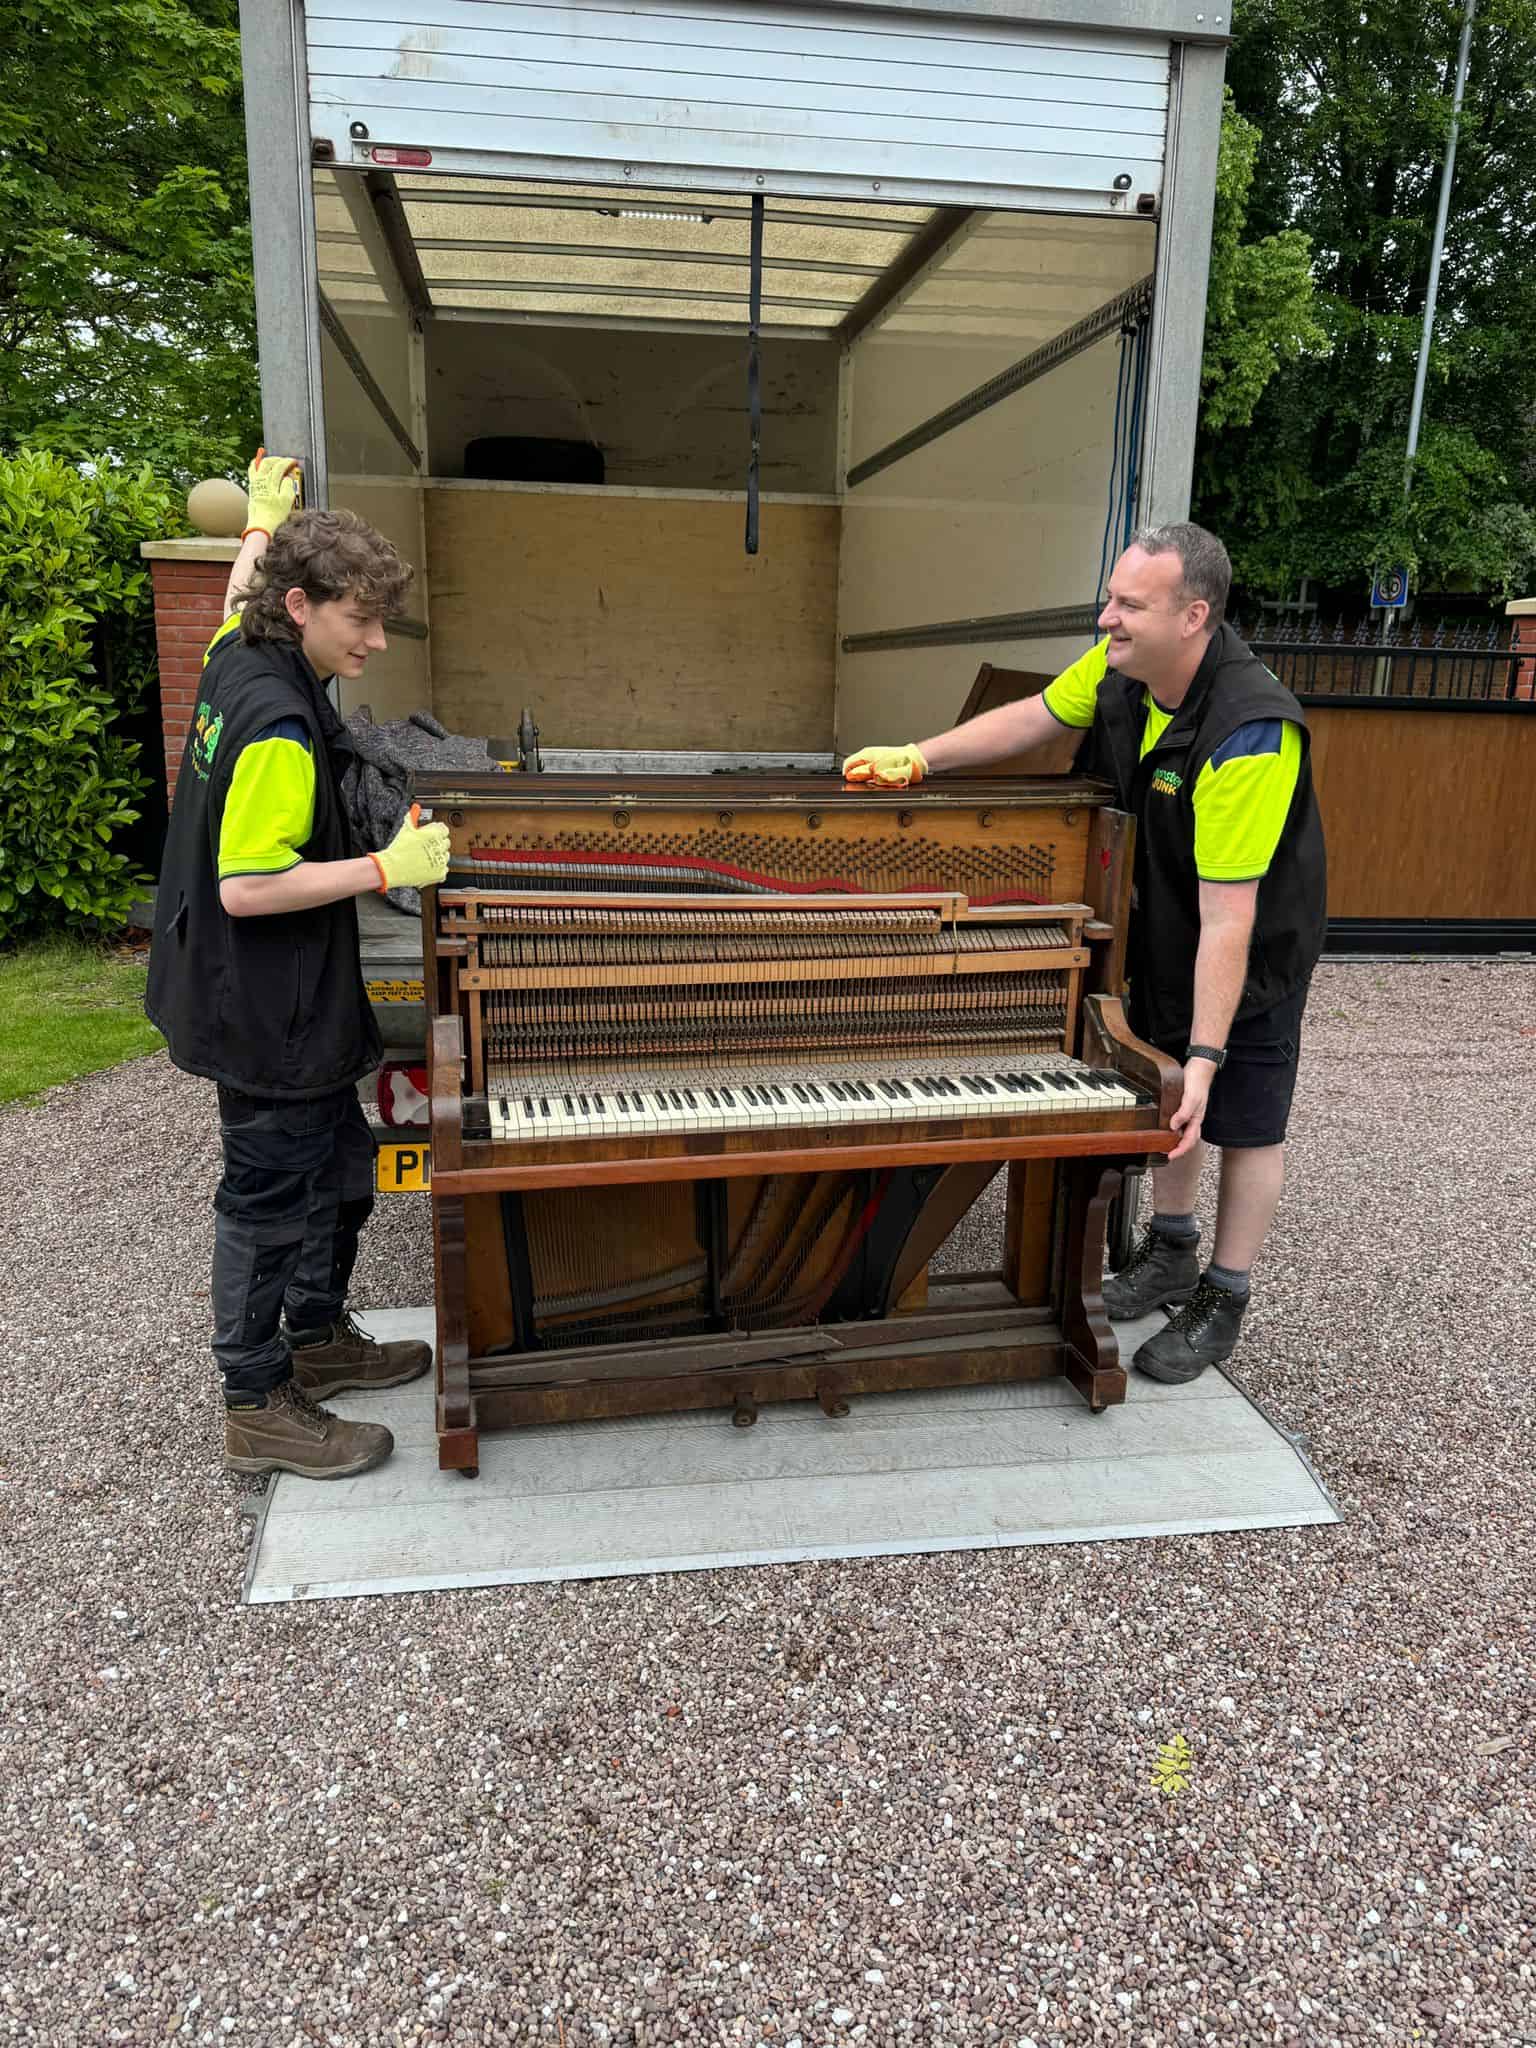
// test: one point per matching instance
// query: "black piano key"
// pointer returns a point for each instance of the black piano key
(714, 1100)
(527, 1105)
(730, 1100)
(799, 1091)
(570, 1108)
(597, 1104)
(778, 1094)
(583, 1104)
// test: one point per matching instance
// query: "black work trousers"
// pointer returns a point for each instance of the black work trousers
(297, 1189)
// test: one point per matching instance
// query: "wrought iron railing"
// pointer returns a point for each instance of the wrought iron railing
(1454, 662)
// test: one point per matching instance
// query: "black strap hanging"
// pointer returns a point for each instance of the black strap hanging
(754, 369)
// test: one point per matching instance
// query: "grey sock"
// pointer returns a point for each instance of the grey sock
(1229, 1278)
(1179, 1230)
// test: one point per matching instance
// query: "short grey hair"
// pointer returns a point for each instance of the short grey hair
(1206, 563)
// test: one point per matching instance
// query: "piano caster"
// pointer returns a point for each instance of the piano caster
(469, 1471)
(834, 1403)
(744, 1412)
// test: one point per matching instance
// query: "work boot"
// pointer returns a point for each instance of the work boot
(1204, 1332)
(341, 1360)
(290, 1434)
(1157, 1273)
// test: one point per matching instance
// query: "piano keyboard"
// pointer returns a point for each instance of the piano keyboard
(547, 1105)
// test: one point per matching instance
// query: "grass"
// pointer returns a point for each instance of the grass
(66, 1009)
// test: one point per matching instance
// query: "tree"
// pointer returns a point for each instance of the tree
(1353, 108)
(127, 326)
(1260, 303)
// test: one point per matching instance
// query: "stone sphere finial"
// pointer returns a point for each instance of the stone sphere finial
(216, 507)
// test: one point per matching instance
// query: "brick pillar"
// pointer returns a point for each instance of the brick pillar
(189, 577)
(1521, 613)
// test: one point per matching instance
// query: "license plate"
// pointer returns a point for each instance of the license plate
(403, 1167)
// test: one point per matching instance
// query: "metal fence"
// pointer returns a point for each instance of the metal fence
(1453, 662)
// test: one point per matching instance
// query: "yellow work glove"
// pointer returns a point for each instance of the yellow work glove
(416, 858)
(274, 488)
(886, 767)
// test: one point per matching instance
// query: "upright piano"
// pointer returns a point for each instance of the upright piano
(717, 1064)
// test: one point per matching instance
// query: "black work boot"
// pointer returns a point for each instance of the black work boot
(1158, 1273)
(341, 1360)
(288, 1433)
(1204, 1332)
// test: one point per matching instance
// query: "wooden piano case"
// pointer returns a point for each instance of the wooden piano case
(702, 929)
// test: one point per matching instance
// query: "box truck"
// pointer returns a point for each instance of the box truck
(739, 378)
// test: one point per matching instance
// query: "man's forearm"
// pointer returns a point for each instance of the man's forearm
(1221, 964)
(304, 886)
(1010, 729)
(241, 576)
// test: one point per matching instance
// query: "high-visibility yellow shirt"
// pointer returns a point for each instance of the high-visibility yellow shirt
(1243, 793)
(269, 811)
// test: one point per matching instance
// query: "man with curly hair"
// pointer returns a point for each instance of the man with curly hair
(255, 979)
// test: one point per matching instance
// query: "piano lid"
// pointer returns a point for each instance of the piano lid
(1021, 792)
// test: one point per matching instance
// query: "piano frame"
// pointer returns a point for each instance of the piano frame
(1042, 1317)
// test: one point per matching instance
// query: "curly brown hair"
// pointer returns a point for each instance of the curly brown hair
(327, 555)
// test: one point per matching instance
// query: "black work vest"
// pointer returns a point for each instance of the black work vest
(269, 1005)
(1231, 687)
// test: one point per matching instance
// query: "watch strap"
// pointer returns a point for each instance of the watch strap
(1216, 1054)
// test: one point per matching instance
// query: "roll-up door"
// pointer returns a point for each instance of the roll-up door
(724, 93)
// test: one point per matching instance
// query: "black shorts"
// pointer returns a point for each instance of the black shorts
(1250, 1100)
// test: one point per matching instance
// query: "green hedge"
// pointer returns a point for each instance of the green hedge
(76, 650)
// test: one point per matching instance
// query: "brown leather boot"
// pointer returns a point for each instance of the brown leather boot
(345, 1362)
(290, 1434)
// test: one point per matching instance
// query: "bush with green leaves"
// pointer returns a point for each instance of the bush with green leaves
(76, 651)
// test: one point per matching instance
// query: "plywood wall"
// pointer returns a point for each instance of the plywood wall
(630, 620)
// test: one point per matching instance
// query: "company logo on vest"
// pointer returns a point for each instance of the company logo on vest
(1165, 782)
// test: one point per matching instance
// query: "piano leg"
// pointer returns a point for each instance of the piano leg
(1092, 1352)
(458, 1441)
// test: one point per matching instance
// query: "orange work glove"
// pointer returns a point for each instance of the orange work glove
(885, 767)
(416, 858)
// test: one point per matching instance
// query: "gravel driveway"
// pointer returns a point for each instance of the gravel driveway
(894, 1800)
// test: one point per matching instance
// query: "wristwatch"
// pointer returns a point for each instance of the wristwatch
(1216, 1054)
